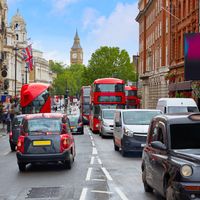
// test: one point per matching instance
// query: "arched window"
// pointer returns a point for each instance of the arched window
(17, 37)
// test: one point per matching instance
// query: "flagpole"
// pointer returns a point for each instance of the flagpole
(26, 73)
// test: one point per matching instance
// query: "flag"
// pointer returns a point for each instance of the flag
(28, 57)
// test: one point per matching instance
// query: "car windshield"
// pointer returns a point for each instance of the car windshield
(182, 109)
(139, 117)
(73, 120)
(185, 136)
(43, 125)
(108, 114)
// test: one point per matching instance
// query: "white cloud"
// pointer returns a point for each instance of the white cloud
(60, 5)
(119, 29)
(88, 17)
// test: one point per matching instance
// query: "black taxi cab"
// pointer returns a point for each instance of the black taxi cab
(44, 138)
(171, 157)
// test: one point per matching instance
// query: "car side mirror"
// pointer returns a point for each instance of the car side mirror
(118, 124)
(158, 145)
(85, 121)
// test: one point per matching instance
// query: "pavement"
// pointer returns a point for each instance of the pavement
(2, 131)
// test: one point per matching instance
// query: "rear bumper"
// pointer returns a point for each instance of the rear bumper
(31, 158)
(132, 145)
(106, 130)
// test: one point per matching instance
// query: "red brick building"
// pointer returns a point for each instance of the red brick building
(162, 24)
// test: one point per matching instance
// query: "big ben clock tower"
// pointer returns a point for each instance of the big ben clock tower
(76, 53)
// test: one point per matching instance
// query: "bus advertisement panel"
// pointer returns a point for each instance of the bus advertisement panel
(105, 93)
(35, 98)
(132, 100)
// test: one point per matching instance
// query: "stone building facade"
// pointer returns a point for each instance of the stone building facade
(41, 72)
(76, 53)
(154, 41)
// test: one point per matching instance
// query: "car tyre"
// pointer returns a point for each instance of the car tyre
(12, 146)
(147, 188)
(123, 152)
(68, 163)
(170, 194)
(115, 146)
(22, 167)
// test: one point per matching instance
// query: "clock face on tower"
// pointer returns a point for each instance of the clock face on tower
(74, 55)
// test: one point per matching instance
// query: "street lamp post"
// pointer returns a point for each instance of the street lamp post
(15, 92)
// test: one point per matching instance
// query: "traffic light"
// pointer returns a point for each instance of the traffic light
(4, 71)
(6, 84)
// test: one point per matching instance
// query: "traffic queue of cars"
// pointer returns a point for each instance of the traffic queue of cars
(169, 141)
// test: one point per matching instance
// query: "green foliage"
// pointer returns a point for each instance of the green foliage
(109, 62)
(70, 78)
(57, 68)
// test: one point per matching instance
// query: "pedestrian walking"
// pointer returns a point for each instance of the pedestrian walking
(8, 121)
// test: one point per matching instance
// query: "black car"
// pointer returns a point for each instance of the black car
(171, 157)
(15, 131)
(45, 138)
(76, 124)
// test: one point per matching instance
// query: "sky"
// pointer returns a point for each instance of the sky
(52, 24)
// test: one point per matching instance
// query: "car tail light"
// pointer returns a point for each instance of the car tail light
(65, 142)
(20, 144)
(10, 135)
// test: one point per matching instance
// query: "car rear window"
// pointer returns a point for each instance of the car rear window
(44, 125)
(73, 120)
(182, 109)
(185, 136)
(139, 117)
(108, 114)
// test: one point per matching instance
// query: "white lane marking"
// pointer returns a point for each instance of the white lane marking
(99, 191)
(99, 161)
(6, 153)
(106, 174)
(95, 179)
(94, 151)
(83, 194)
(91, 138)
(92, 160)
(121, 194)
(93, 144)
(88, 174)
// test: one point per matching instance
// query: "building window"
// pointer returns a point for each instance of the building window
(184, 8)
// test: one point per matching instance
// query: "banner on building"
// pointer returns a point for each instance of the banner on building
(192, 56)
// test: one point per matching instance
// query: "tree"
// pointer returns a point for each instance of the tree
(57, 68)
(109, 62)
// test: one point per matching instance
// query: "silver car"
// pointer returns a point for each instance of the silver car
(106, 122)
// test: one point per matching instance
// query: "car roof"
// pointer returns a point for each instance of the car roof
(179, 118)
(109, 109)
(43, 115)
(139, 110)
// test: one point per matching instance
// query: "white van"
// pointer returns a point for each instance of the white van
(177, 105)
(130, 129)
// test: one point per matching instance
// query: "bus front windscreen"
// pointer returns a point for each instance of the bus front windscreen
(109, 88)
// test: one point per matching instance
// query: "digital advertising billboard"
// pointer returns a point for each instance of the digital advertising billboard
(192, 56)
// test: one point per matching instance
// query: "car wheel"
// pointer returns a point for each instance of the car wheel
(68, 163)
(170, 194)
(147, 188)
(12, 146)
(115, 146)
(123, 152)
(22, 167)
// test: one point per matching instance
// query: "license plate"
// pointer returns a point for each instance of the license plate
(142, 145)
(41, 142)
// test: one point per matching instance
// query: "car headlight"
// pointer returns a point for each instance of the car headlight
(105, 124)
(186, 170)
(128, 132)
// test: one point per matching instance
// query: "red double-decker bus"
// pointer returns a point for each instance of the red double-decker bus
(85, 102)
(35, 98)
(105, 93)
(132, 100)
